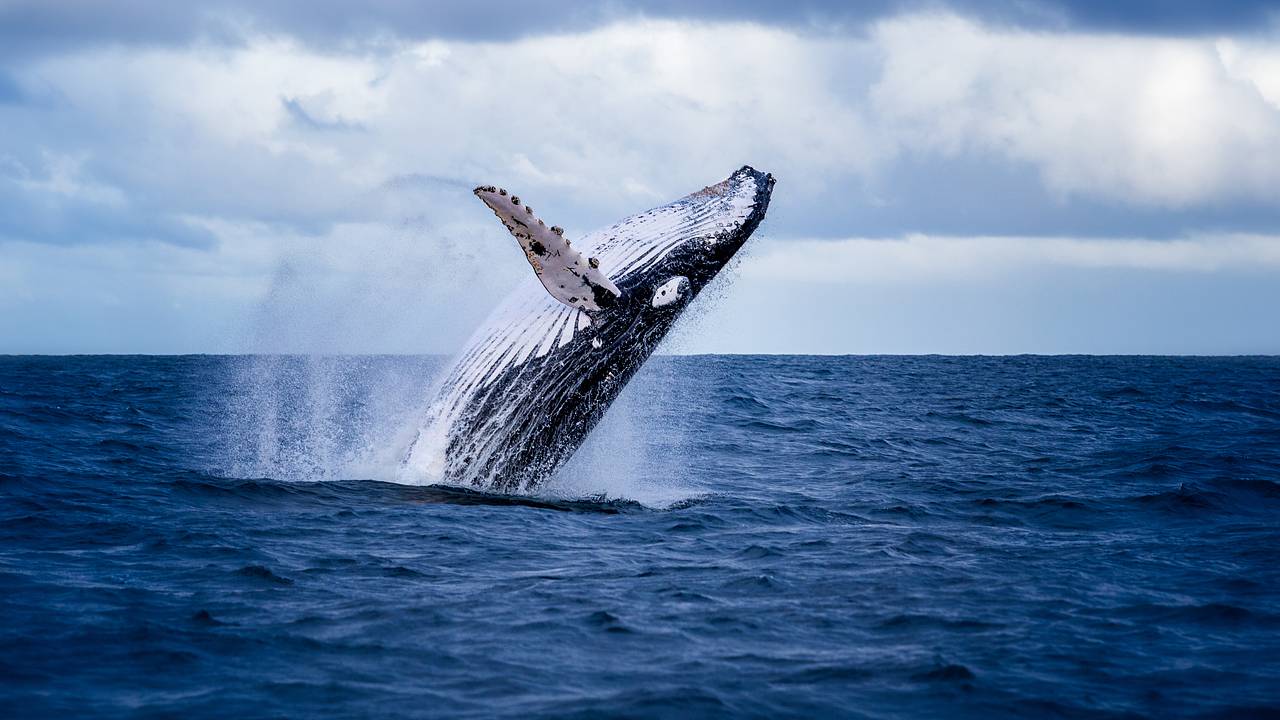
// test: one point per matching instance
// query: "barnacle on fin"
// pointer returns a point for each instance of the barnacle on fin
(549, 253)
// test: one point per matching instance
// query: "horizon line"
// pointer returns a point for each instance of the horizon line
(725, 354)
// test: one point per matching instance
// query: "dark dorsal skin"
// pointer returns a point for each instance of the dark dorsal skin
(535, 380)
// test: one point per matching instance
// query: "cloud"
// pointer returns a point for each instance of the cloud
(323, 189)
(201, 133)
(604, 123)
(1160, 16)
(35, 27)
(930, 123)
(55, 202)
(299, 114)
(1160, 122)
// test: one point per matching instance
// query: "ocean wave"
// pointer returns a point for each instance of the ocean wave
(800, 537)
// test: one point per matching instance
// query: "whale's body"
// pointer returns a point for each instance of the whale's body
(540, 373)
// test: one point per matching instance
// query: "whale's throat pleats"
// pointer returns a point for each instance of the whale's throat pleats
(571, 278)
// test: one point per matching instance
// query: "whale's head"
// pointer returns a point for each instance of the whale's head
(661, 259)
(649, 264)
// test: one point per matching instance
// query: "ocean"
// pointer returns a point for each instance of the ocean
(743, 536)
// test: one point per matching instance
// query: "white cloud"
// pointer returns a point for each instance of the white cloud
(63, 176)
(1254, 62)
(603, 120)
(335, 184)
(1129, 119)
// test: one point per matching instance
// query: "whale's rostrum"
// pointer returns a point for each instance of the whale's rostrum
(538, 375)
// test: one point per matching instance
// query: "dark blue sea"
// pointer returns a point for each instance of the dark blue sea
(864, 537)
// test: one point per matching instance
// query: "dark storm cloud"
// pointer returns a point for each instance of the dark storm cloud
(38, 27)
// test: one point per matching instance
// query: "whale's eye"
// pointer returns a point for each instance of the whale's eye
(670, 291)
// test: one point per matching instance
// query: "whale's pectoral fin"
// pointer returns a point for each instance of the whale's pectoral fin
(571, 278)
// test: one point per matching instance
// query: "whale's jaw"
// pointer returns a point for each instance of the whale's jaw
(538, 375)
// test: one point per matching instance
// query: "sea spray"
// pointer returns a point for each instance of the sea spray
(317, 417)
(296, 408)
(639, 451)
(303, 418)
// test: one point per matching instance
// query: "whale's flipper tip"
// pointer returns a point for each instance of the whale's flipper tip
(572, 279)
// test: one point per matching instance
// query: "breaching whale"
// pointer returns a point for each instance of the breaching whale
(539, 374)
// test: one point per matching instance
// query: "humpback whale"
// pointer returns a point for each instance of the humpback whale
(538, 375)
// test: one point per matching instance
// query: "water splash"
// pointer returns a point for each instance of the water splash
(638, 452)
(295, 411)
(306, 418)
(315, 417)
(318, 417)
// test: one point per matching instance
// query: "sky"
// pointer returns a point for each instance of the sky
(1042, 176)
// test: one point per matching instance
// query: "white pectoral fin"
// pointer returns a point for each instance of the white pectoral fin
(571, 278)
